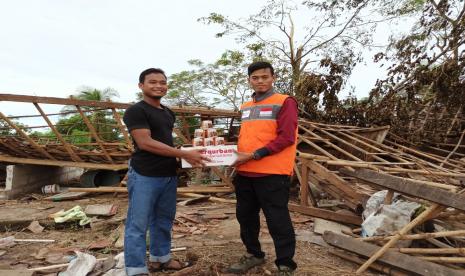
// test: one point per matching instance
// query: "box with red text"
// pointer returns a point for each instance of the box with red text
(223, 155)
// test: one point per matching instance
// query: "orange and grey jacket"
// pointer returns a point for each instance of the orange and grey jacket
(259, 128)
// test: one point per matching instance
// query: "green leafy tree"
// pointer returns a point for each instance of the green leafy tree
(222, 84)
(422, 96)
(102, 120)
(310, 61)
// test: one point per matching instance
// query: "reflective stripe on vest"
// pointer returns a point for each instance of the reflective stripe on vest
(258, 128)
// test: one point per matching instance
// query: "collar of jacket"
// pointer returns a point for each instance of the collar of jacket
(257, 98)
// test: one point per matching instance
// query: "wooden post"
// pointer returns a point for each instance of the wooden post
(70, 151)
(304, 185)
(388, 198)
(185, 127)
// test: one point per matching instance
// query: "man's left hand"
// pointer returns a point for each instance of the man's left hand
(242, 157)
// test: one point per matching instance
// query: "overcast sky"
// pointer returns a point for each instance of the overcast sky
(50, 48)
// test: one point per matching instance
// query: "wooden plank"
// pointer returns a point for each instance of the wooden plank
(59, 163)
(326, 214)
(399, 260)
(94, 133)
(388, 270)
(410, 187)
(334, 180)
(67, 101)
(25, 136)
(70, 151)
(223, 177)
(304, 185)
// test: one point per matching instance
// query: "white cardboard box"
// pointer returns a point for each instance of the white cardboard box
(222, 155)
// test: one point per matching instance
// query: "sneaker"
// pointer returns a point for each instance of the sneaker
(245, 263)
(285, 271)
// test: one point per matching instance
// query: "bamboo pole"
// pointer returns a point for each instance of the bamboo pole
(25, 136)
(315, 146)
(314, 157)
(33, 240)
(454, 150)
(419, 236)
(460, 260)
(365, 163)
(432, 209)
(94, 134)
(329, 143)
(424, 172)
(460, 250)
(56, 266)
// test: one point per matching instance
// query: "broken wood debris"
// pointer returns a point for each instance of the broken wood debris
(338, 168)
(350, 164)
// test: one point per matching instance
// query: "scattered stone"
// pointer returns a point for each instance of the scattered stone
(35, 227)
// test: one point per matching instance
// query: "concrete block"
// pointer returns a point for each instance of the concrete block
(24, 179)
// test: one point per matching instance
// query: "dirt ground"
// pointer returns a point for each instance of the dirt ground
(208, 230)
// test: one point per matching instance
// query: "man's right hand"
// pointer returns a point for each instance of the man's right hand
(195, 157)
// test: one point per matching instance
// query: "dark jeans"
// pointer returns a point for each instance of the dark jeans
(271, 194)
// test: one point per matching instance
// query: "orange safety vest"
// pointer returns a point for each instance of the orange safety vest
(258, 128)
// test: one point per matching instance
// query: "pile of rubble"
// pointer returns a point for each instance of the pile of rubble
(421, 199)
(381, 201)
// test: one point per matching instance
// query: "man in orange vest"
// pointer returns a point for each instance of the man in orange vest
(266, 153)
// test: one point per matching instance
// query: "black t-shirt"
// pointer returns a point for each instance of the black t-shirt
(160, 122)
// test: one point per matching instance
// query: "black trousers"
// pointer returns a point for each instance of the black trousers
(271, 194)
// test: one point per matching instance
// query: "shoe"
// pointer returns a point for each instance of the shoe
(245, 263)
(285, 271)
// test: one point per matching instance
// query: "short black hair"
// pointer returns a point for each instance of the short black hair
(259, 65)
(150, 71)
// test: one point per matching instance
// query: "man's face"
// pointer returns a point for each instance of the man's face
(154, 86)
(261, 80)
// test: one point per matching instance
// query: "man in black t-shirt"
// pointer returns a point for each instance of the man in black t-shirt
(152, 178)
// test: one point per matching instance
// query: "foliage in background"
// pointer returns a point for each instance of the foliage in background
(423, 94)
(221, 84)
(313, 65)
(101, 120)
